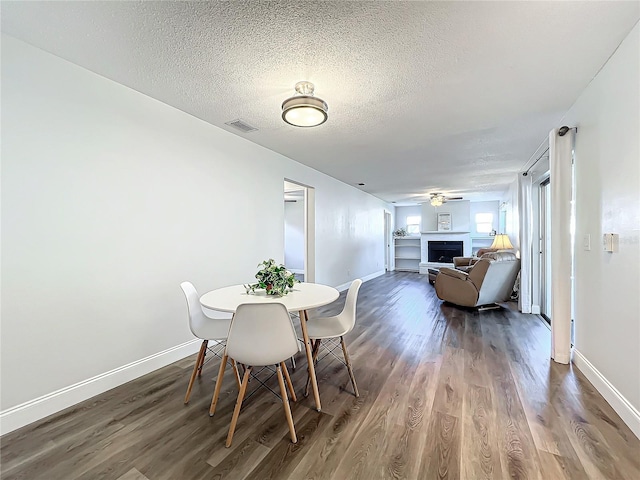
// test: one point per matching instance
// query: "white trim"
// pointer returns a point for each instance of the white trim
(297, 270)
(28, 412)
(561, 358)
(345, 286)
(628, 413)
(535, 309)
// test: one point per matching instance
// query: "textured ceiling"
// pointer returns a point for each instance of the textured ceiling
(453, 97)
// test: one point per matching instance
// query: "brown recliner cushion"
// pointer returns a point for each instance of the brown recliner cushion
(454, 286)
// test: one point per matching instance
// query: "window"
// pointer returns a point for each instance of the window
(413, 224)
(484, 222)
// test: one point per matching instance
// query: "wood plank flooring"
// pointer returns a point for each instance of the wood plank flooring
(444, 393)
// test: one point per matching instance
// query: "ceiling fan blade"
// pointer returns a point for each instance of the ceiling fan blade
(454, 198)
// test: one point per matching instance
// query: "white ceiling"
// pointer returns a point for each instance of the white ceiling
(452, 97)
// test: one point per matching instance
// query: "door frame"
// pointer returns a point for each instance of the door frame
(387, 241)
(544, 248)
(536, 233)
(309, 229)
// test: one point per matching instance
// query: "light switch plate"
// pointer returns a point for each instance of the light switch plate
(610, 242)
(586, 241)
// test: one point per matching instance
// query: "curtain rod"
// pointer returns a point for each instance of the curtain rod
(525, 173)
(562, 131)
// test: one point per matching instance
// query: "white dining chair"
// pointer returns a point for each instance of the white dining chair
(261, 335)
(208, 325)
(332, 328)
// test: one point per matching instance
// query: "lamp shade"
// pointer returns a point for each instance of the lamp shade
(501, 242)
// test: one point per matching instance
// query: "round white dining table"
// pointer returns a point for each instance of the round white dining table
(302, 298)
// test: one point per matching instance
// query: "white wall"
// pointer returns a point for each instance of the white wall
(294, 235)
(110, 199)
(607, 168)
(460, 216)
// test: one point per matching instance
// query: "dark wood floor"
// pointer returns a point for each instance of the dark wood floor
(445, 393)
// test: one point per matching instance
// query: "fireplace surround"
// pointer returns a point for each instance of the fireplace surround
(443, 251)
(426, 237)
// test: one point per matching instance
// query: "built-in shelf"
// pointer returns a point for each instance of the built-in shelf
(407, 254)
(445, 232)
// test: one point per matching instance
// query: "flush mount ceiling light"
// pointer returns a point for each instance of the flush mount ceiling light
(304, 110)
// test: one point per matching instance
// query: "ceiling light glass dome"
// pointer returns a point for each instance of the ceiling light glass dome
(304, 110)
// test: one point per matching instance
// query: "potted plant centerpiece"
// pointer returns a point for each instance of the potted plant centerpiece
(274, 278)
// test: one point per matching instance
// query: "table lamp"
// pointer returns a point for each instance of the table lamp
(501, 242)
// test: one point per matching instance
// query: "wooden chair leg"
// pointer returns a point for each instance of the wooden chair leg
(292, 392)
(234, 365)
(287, 407)
(309, 354)
(348, 361)
(236, 411)
(204, 354)
(216, 392)
(196, 368)
(314, 352)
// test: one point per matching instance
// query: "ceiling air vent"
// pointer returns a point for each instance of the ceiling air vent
(241, 125)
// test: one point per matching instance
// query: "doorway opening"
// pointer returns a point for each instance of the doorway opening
(387, 241)
(299, 230)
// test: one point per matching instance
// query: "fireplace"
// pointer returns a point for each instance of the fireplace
(444, 251)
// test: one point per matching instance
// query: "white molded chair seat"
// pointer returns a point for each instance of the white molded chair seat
(208, 325)
(260, 335)
(328, 327)
(323, 328)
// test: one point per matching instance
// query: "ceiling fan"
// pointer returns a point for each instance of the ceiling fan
(437, 199)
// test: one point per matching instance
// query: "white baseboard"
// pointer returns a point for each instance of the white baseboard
(345, 286)
(535, 309)
(628, 413)
(28, 412)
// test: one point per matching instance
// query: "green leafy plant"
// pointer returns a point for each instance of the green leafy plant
(401, 232)
(274, 278)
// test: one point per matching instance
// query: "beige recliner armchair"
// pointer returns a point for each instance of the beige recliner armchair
(488, 281)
